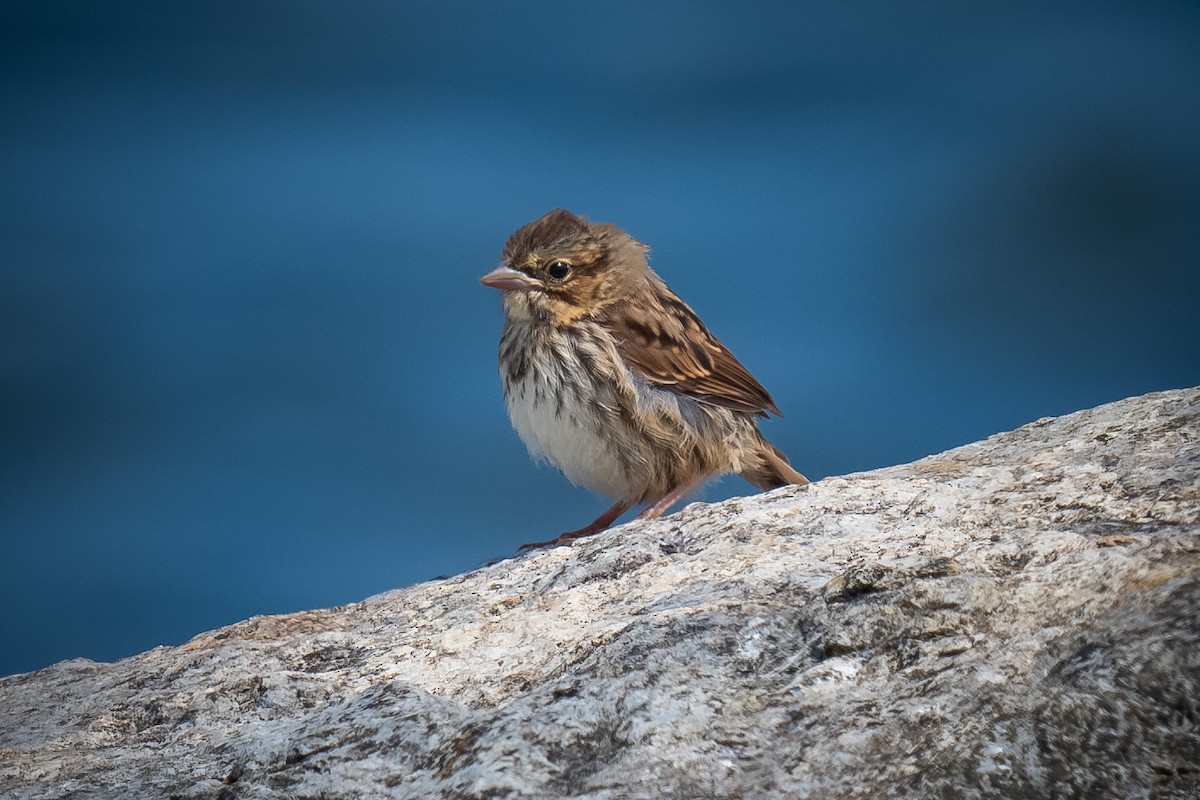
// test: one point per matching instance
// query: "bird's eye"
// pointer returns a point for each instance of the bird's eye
(558, 270)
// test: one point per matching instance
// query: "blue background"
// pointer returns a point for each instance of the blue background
(246, 366)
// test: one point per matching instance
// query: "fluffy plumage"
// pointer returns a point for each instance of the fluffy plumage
(612, 378)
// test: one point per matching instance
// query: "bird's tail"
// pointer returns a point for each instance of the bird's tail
(772, 469)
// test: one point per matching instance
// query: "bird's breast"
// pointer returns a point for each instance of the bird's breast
(567, 403)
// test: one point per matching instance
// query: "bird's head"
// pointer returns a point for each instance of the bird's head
(562, 268)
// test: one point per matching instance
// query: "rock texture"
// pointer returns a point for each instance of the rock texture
(1015, 618)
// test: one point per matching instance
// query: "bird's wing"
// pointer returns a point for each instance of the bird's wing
(663, 341)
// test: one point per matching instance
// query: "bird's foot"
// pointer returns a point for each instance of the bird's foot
(598, 524)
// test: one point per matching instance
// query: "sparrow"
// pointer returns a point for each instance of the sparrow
(613, 379)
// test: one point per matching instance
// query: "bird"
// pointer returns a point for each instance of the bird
(612, 378)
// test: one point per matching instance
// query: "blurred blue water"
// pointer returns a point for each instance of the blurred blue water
(245, 363)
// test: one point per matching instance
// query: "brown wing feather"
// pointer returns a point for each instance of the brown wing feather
(663, 340)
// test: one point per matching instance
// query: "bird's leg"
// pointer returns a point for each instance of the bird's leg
(660, 507)
(598, 524)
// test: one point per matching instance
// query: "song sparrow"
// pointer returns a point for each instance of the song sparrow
(612, 378)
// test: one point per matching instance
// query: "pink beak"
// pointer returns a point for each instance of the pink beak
(507, 279)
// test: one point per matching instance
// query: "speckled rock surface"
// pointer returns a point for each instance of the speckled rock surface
(1015, 618)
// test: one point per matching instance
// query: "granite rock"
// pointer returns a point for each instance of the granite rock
(1014, 618)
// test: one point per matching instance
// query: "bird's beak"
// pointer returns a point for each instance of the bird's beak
(507, 279)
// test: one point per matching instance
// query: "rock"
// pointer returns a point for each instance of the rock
(1013, 618)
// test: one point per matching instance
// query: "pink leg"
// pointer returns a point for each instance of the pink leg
(600, 523)
(669, 499)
